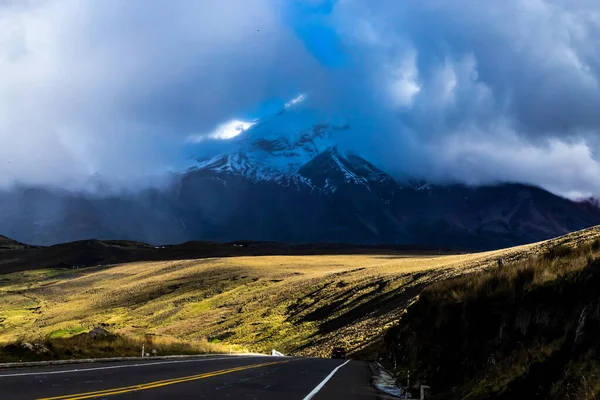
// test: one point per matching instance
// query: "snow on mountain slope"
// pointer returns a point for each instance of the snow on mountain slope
(331, 169)
(278, 148)
(244, 164)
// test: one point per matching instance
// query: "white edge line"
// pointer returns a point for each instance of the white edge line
(320, 385)
(118, 366)
(13, 365)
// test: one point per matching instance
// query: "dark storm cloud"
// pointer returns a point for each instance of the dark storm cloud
(463, 91)
(540, 59)
(482, 91)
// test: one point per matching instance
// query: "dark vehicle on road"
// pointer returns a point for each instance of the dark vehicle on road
(338, 352)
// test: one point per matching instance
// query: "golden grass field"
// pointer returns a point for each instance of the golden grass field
(295, 304)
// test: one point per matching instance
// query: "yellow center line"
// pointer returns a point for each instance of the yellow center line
(156, 384)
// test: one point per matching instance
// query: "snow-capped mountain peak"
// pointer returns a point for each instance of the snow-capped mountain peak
(333, 168)
(288, 148)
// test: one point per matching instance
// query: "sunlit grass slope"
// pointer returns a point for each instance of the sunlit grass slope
(298, 304)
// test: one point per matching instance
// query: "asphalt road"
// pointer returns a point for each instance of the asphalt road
(215, 377)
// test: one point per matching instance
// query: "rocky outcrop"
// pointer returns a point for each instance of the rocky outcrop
(36, 348)
(98, 333)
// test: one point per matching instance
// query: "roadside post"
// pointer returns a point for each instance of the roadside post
(425, 390)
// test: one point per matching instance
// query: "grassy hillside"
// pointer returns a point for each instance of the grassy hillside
(9, 244)
(298, 304)
(527, 330)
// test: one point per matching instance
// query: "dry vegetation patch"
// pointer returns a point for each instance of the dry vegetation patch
(297, 304)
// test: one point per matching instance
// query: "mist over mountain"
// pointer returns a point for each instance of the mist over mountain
(287, 182)
(298, 121)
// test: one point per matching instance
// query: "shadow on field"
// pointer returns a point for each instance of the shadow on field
(346, 307)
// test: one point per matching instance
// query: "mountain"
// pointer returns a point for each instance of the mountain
(337, 197)
(9, 244)
(286, 181)
(266, 153)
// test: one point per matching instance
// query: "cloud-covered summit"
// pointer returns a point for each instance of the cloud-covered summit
(463, 91)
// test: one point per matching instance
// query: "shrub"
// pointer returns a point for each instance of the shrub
(559, 251)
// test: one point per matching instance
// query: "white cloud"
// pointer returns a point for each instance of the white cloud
(112, 88)
(227, 130)
(298, 99)
(500, 155)
(404, 80)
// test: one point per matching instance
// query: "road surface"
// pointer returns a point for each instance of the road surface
(214, 377)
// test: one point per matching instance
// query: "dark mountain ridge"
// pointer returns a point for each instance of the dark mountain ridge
(337, 199)
(296, 188)
(98, 253)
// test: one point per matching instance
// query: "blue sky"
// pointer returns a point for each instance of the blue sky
(311, 23)
(468, 91)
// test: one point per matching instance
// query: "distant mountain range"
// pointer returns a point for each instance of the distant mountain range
(290, 183)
